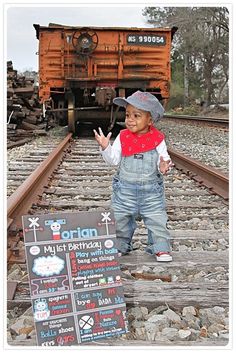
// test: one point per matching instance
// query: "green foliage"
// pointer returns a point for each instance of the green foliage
(180, 110)
(177, 68)
(200, 49)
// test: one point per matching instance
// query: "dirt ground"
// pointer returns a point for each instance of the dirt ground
(218, 112)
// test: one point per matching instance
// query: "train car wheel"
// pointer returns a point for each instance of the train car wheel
(71, 113)
(85, 41)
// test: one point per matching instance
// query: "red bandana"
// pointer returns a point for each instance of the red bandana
(132, 143)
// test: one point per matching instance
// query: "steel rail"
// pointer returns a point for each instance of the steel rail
(210, 120)
(21, 200)
(210, 177)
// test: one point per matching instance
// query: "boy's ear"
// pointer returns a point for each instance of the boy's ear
(150, 120)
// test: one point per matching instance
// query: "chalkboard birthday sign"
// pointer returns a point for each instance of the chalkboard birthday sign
(75, 278)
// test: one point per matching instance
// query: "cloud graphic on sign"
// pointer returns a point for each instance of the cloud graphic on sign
(48, 266)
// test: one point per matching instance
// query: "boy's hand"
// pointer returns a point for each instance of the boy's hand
(165, 166)
(102, 140)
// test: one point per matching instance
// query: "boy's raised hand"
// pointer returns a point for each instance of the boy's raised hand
(102, 140)
(164, 166)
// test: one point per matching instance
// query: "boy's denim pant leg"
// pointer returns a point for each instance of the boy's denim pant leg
(125, 227)
(158, 234)
(146, 200)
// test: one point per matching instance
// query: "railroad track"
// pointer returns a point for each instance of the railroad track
(219, 122)
(197, 278)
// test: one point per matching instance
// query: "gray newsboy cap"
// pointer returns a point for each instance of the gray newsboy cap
(144, 101)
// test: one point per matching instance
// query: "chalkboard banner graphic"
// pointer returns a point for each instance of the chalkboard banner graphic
(75, 278)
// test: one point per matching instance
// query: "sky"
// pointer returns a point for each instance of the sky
(22, 44)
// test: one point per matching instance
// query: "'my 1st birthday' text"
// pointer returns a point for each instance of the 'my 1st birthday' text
(53, 249)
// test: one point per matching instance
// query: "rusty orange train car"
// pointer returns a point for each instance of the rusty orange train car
(82, 69)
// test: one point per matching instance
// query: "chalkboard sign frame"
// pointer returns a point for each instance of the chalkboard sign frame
(75, 278)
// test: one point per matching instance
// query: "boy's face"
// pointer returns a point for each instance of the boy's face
(136, 120)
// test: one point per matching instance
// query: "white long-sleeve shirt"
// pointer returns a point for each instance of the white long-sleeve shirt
(112, 154)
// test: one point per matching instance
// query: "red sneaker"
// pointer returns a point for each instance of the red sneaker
(163, 256)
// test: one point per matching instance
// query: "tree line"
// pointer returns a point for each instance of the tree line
(200, 52)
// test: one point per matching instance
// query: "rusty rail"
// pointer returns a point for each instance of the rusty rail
(21, 200)
(210, 177)
(218, 121)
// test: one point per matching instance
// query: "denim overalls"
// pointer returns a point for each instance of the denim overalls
(138, 190)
